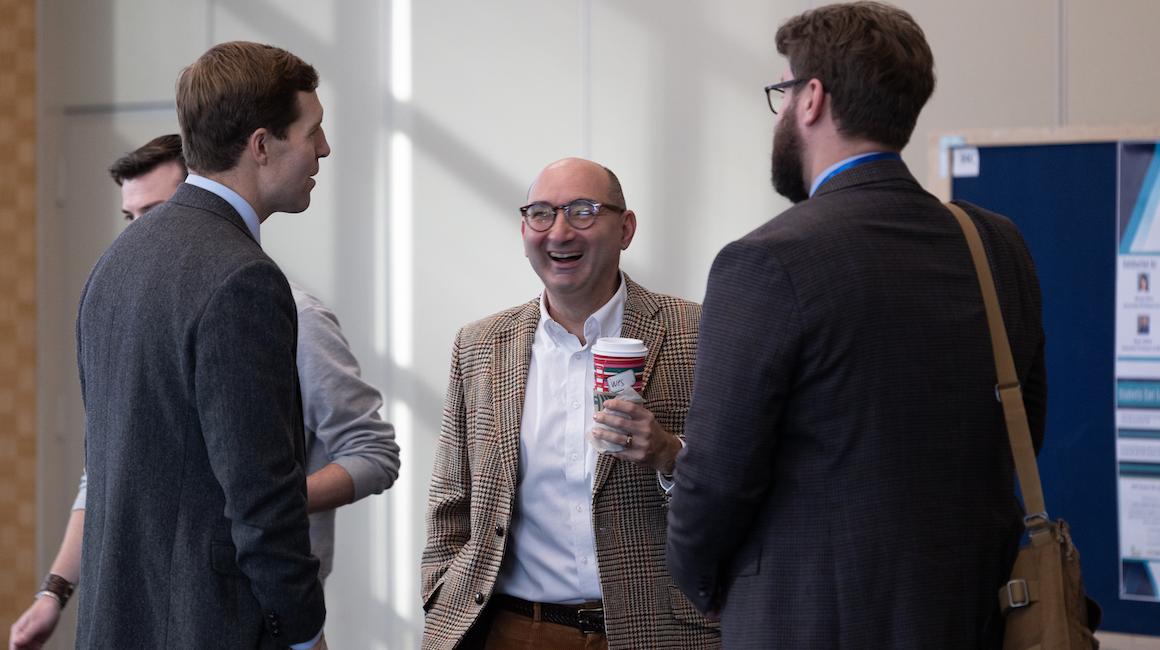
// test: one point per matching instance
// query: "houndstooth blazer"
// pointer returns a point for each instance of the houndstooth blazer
(473, 484)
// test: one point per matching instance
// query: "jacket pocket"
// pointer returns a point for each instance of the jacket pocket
(223, 559)
(685, 612)
(747, 562)
(429, 604)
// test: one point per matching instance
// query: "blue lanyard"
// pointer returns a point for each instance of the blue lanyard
(885, 155)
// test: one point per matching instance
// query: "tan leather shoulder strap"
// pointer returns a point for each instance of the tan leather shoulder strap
(1007, 390)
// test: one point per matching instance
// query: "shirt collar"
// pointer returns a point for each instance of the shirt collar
(605, 321)
(234, 199)
(828, 171)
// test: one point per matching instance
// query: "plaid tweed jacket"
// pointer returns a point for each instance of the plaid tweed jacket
(473, 484)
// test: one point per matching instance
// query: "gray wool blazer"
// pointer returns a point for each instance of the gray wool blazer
(848, 481)
(195, 532)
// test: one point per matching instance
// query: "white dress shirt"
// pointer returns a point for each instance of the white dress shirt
(552, 553)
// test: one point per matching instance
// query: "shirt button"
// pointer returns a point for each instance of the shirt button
(576, 356)
(478, 598)
(575, 405)
(579, 508)
(575, 456)
(583, 560)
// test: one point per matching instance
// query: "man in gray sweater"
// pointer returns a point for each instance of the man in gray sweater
(350, 451)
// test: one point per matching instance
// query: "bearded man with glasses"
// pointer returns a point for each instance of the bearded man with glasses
(534, 539)
(848, 481)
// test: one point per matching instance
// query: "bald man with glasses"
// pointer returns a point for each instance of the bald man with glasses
(533, 538)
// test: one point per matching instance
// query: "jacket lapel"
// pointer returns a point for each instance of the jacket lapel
(511, 357)
(640, 322)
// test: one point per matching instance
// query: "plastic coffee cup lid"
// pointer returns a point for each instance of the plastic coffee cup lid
(615, 346)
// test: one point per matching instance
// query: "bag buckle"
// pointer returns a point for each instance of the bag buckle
(1001, 387)
(1024, 594)
(1036, 520)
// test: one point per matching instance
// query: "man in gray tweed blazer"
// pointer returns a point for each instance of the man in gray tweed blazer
(351, 452)
(533, 539)
(196, 533)
(848, 481)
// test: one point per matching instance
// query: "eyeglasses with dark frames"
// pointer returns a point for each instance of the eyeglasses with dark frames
(778, 89)
(580, 214)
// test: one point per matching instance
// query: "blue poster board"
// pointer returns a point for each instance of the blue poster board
(1063, 197)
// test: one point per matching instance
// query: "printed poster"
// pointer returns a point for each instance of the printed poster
(1138, 370)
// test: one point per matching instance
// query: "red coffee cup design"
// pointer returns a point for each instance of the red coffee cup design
(613, 358)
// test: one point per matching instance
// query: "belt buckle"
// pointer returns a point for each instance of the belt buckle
(590, 620)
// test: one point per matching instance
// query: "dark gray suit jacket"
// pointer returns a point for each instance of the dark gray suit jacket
(195, 530)
(848, 480)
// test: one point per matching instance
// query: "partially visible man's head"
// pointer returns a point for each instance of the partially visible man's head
(579, 265)
(231, 91)
(149, 175)
(873, 61)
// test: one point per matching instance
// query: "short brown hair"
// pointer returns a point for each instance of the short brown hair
(615, 191)
(871, 58)
(232, 90)
(147, 157)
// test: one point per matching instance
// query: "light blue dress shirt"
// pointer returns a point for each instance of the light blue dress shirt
(234, 199)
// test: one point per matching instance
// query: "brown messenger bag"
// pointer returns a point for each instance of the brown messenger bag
(1043, 604)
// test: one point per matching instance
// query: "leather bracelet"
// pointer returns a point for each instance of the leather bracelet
(46, 593)
(57, 587)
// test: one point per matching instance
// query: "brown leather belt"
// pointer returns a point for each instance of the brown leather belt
(586, 617)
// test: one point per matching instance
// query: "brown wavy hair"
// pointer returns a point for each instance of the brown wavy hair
(231, 91)
(871, 58)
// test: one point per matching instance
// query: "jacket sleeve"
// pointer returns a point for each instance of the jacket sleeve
(248, 405)
(340, 407)
(1035, 379)
(449, 502)
(748, 342)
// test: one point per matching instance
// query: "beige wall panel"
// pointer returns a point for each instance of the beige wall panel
(120, 51)
(678, 111)
(1113, 78)
(996, 67)
(495, 99)
(497, 96)
(18, 444)
(328, 248)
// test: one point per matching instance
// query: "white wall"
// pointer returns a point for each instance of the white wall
(439, 113)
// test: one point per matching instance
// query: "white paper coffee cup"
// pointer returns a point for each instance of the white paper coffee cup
(617, 371)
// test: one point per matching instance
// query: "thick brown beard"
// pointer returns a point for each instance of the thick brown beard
(785, 162)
